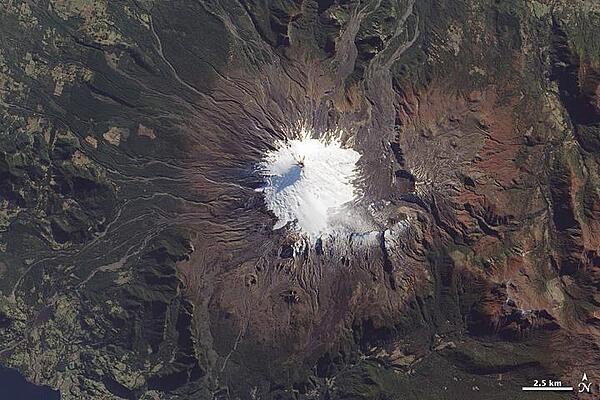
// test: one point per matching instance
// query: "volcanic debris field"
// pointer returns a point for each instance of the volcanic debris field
(300, 199)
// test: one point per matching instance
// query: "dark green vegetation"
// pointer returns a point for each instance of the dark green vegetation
(115, 283)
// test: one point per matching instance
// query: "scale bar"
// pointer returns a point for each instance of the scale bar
(548, 388)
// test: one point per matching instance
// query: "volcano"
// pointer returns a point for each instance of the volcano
(299, 199)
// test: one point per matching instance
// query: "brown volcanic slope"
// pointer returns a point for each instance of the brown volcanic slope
(138, 261)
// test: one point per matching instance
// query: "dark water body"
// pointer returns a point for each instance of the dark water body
(13, 386)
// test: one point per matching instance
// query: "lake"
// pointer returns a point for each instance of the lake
(16, 387)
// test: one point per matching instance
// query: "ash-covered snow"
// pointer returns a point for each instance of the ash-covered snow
(310, 182)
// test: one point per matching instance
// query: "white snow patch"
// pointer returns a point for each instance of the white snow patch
(309, 181)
